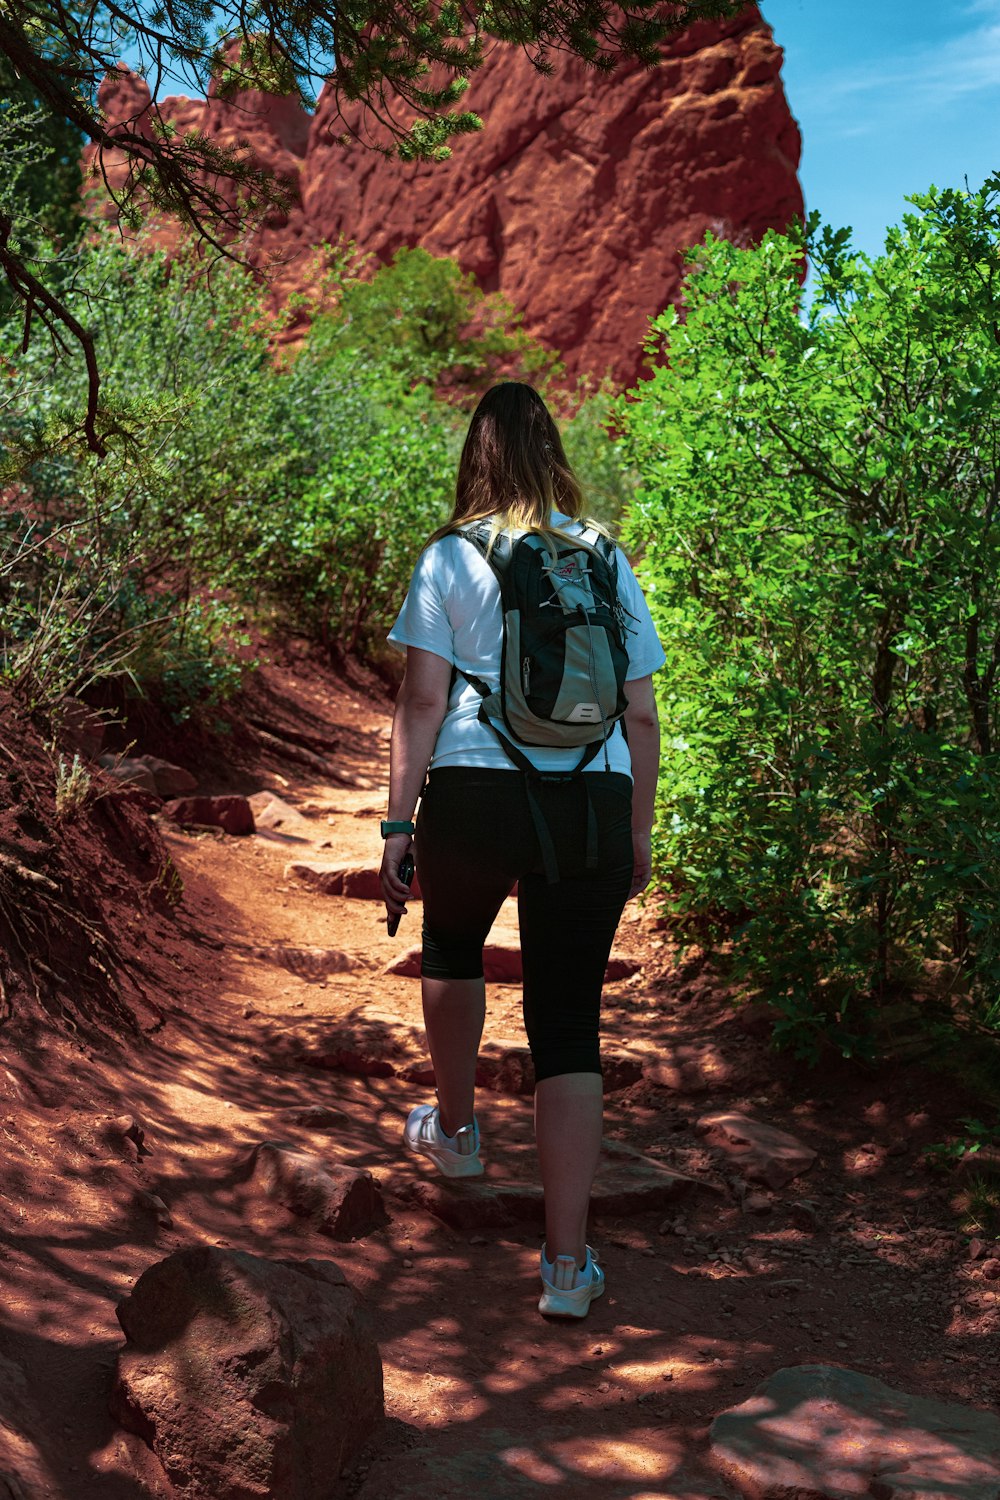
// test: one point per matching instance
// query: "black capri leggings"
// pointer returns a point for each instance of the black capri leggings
(475, 837)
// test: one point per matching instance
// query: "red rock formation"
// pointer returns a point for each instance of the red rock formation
(578, 198)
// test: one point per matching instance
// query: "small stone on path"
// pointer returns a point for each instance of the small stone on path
(171, 780)
(832, 1434)
(130, 772)
(344, 1202)
(232, 814)
(761, 1152)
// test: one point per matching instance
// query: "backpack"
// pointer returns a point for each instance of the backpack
(563, 658)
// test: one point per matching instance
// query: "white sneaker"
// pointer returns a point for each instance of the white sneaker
(455, 1155)
(568, 1291)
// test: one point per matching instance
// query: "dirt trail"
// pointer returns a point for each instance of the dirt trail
(705, 1297)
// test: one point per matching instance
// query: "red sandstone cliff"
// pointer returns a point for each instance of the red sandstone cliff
(577, 199)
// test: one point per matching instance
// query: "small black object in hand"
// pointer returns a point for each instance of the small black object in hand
(405, 873)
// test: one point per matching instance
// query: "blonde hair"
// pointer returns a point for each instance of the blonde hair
(513, 470)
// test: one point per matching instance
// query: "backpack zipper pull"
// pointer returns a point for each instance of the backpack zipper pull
(526, 674)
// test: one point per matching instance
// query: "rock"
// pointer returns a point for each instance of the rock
(975, 1248)
(125, 1128)
(501, 965)
(273, 815)
(620, 968)
(805, 1215)
(154, 1205)
(576, 201)
(829, 1434)
(344, 1202)
(171, 780)
(991, 1269)
(760, 1152)
(627, 1183)
(422, 1073)
(757, 1203)
(358, 881)
(248, 1377)
(232, 814)
(131, 773)
(474, 1204)
(505, 1068)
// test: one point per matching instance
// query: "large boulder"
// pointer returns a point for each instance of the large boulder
(816, 1432)
(248, 1377)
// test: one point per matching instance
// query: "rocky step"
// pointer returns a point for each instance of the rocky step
(502, 965)
(833, 1434)
(627, 1183)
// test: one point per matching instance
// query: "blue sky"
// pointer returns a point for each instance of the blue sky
(891, 96)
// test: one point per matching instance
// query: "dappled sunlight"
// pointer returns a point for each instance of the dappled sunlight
(646, 1455)
(707, 1296)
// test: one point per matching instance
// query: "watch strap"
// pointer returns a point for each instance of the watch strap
(389, 826)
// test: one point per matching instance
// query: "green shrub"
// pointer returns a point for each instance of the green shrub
(818, 506)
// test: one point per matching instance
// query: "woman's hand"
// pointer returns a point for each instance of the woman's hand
(642, 862)
(394, 892)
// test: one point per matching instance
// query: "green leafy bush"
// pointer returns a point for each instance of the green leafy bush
(818, 509)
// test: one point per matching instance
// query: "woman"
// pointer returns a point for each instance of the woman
(477, 834)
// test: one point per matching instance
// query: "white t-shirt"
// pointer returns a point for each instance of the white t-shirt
(453, 609)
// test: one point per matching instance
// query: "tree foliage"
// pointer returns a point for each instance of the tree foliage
(235, 486)
(820, 509)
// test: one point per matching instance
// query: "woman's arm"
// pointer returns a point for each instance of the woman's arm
(420, 707)
(643, 725)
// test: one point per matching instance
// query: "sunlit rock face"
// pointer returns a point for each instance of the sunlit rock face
(578, 198)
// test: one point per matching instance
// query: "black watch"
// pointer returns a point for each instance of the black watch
(388, 827)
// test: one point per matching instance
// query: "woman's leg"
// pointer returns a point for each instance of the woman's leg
(568, 1118)
(454, 1013)
(468, 822)
(566, 934)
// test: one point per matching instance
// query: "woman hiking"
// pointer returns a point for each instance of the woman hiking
(509, 729)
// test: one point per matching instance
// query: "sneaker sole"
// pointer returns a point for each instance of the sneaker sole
(460, 1166)
(559, 1305)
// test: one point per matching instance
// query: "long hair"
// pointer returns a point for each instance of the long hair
(513, 471)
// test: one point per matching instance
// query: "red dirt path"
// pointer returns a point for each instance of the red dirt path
(482, 1395)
